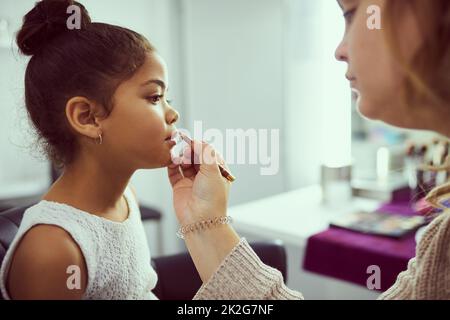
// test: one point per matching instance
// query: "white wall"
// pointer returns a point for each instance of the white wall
(318, 106)
(233, 55)
(254, 64)
(22, 170)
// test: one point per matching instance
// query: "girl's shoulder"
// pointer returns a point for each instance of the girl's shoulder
(41, 265)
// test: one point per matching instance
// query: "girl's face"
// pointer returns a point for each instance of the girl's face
(138, 130)
(374, 75)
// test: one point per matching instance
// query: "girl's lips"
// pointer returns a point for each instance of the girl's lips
(173, 134)
(171, 142)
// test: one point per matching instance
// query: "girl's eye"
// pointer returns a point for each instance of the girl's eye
(349, 14)
(155, 99)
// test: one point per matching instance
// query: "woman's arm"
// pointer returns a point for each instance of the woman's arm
(242, 276)
(210, 247)
(229, 268)
(427, 274)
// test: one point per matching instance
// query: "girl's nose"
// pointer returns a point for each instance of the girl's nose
(172, 116)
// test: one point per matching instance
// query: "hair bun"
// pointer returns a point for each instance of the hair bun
(45, 22)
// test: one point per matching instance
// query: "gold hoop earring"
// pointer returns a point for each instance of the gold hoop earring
(99, 139)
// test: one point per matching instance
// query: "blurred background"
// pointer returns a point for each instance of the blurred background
(253, 64)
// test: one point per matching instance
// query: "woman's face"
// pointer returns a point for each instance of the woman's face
(374, 75)
(142, 121)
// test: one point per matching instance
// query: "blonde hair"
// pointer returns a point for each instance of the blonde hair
(427, 75)
(442, 192)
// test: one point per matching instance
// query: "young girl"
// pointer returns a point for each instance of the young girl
(97, 96)
(399, 72)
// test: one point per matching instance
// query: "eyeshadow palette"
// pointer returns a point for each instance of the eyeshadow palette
(379, 223)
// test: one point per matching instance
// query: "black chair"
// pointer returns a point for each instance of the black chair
(177, 277)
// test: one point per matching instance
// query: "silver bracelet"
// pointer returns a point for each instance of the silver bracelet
(201, 225)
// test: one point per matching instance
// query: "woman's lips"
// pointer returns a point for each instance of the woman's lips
(352, 80)
(350, 77)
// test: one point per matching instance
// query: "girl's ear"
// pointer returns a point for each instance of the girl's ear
(82, 116)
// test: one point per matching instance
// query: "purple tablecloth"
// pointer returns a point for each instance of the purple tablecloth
(346, 255)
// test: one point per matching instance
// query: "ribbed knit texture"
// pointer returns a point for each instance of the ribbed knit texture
(428, 274)
(242, 275)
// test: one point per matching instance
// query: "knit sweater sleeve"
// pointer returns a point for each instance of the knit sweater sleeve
(428, 274)
(242, 275)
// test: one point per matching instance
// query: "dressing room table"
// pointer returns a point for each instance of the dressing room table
(301, 221)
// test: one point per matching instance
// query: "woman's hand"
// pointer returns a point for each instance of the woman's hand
(199, 190)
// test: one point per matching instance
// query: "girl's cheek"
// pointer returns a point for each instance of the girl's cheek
(155, 121)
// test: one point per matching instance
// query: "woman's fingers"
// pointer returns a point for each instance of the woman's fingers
(197, 156)
(209, 156)
(174, 174)
(187, 163)
(204, 157)
(221, 161)
(188, 170)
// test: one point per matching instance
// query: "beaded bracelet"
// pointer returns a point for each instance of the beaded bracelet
(201, 225)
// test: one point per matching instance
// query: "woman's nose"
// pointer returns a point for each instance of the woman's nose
(341, 53)
(172, 116)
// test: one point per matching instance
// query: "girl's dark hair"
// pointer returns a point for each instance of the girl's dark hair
(90, 61)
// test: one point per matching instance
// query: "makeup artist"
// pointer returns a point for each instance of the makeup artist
(401, 76)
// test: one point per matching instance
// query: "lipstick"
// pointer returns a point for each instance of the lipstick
(223, 171)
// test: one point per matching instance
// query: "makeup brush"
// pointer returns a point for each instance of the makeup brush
(225, 173)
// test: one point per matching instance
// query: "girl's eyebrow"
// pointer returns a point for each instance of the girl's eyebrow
(157, 82)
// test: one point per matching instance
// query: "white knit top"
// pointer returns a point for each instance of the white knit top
(116, 253)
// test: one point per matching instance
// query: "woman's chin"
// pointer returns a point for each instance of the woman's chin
(366, 109)
(386, 112)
